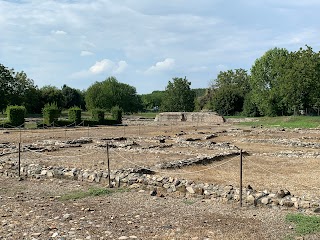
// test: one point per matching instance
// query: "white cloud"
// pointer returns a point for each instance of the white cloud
(197, 36)
(58, 32)
(107, 65)
(167, 64)
(86, 53)
(120, 67)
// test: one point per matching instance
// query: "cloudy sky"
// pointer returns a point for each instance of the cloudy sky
(145, 43)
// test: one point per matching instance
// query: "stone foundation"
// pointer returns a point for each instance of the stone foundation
(146, 179)
(203, 117)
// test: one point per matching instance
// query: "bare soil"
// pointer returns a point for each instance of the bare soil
(30, 209)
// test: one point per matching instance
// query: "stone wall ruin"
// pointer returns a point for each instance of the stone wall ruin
(203, 117)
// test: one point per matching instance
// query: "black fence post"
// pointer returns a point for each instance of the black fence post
(241, 178)
(109, 178)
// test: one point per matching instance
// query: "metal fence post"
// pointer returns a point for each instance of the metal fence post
(19, 160)
(241, 178)
(109, 178)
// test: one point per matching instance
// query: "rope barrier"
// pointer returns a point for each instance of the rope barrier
(80, 124)
(166, 172)
(275, 174)
(14, 127)
(63, 156)
(51, 125)
(7, 154)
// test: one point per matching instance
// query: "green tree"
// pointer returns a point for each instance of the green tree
(72, 97)
(266, 82)
(227, 101)
(51, 94)
(238, 78)
(26, 93)
(301, 86)
(250, 109)
(204, 102)
(152, 101)
(110, 93)
(229, 91)
(6, 87)
(179, 96)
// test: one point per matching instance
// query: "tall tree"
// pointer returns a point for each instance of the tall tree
(152, 101)
(72, 97)
(266, 81)
(110, 93)
(231, 87)
(238, 78)
(6, 87)
(51, 94)
(301, 88)
(179, 96)
(227, 100)
(26, 93)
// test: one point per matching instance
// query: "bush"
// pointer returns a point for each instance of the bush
(74, 115)
(116, 113)
(98, 115)
(50, 113)
(16, 115)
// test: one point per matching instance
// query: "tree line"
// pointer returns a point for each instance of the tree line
(279, 83)
(16, 89)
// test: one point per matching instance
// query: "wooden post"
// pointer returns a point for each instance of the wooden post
(109, 178)
(241, 178)
(19, 160)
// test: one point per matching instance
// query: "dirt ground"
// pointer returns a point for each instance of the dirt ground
(31, 209)
(274, 159)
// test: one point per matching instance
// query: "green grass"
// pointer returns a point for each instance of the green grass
(304, 224)
(92, 192)
(30, 125)
(235, 116)
(146, 114)
(286, 122)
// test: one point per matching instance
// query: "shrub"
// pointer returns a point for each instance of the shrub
(51, 113)
(116, 113)
(16, 115)
(74, 115)
(98, 115)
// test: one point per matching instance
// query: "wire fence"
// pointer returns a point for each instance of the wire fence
(224, 170)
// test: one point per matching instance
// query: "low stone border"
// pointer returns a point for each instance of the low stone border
(197, 160)
(144, 178)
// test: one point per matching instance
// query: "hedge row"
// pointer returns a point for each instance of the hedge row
(51, 113)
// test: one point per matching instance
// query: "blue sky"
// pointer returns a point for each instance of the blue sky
(145, 43)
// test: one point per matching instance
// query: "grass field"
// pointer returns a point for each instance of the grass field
(283, 121)
(286, 122)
